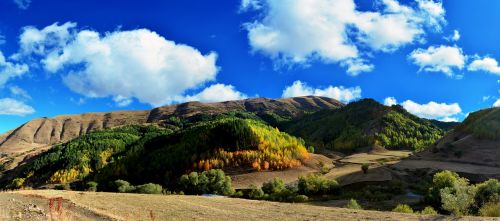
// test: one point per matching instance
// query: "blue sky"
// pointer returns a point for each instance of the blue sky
(435, 58)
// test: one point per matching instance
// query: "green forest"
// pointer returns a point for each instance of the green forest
(365, 123)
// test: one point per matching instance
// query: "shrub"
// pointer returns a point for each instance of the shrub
(490, 209)
(123, 186)
(365, 167)
(403, 208)
(285, 195)
(255, 193)
(238, 194)
(316, 185)
(488, 191)
(149, 188)
(91, 186)
(353, 204)
(62, 187)
(440, 181)
(459, 198)
(428, 210)
(300, 198)
(275, 185)
(16, 183)
(310, 149)
(207, 182)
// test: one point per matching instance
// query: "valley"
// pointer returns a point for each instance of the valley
(313, 152)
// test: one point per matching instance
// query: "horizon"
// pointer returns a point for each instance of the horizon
(59, 57)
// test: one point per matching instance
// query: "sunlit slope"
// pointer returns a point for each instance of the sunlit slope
(142, 154)
(365, 123)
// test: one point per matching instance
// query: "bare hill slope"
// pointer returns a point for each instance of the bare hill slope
(475, 141)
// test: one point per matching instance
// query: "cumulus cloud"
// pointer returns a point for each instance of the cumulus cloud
(497, 103)
(334, 31)
(10, 70)
(432, 110)
(439, 59)
(23, 4)
(123, 65)
(340, 93)
(9, 106)
(486, 64)
(47, 40)
(389, 101)
(217, 93)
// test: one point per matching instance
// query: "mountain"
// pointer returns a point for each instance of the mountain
(142, 154)
(365, 123)
(40, 134)
(475, 141)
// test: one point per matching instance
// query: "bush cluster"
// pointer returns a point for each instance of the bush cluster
(123, 186)
(206, 182)
(454, 194)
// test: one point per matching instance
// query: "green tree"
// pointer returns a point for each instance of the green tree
(440, 181)
(316, 185)
(275, 185)
(459, 198)
(256, 192)
(364, 167)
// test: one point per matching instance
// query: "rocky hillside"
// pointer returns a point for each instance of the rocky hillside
(42, 133)
(475, 141)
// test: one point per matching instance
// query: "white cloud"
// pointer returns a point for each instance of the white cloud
(46, 40)
(334, 31)
(456, 36)
(122, 64)
(9, 106)
(250, 4)
(340, 93)
(23, 4)
(439, 59)
(433, 110)
(19, 92)
(389, 101)
(497, 103)
(485, 98)
(487, 64)
(449, 119)
(10, 70)
(122, 101)
(217, 93)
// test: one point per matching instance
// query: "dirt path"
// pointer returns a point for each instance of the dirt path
(159, 207)
(443, 165)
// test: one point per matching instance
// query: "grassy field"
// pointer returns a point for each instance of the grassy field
(35, 205)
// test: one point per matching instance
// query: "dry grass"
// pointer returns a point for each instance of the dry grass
(159, 207)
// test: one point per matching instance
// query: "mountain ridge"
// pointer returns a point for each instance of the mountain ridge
(41, 133)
